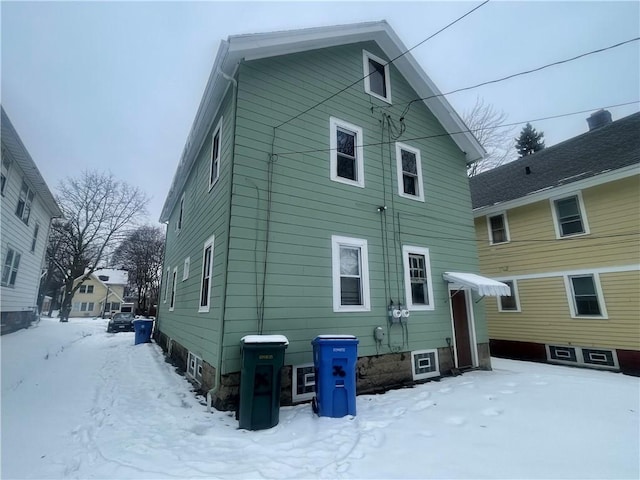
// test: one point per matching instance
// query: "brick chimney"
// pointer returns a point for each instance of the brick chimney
(599, 119)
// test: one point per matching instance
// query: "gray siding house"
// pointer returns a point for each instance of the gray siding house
(27, 209)
(322, 190)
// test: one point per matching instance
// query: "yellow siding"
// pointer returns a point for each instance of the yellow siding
(613, 216)
(116, 293)
(545, 315)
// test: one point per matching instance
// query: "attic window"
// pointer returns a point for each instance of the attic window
(104, 278)
(376, 77)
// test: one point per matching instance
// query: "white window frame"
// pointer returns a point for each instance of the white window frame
(514, 293)
(194, 367)
(337, 242)
(11, 270)
(25, 198)
(174, 283)
(34, 239)
(85, 289)
(180, 218)
(568, 284)
(6, 165)
(185, 268)
(406, 251)
(215, 162)
(583, 215)
(208, 244)
(367, 80)
(301, 397)
(400, 171)
(334, 124)
(503, 214)
(166, 285)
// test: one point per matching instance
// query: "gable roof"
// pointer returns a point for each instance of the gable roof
(264, 45)
(596, 152)
(116, 277)
(11, 140)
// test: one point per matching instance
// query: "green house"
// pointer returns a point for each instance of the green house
(323, 190)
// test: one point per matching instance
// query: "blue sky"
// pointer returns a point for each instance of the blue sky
(116, 85)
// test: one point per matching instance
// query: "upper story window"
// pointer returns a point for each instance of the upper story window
(10, 267)
(409, 168)
(166, 285)
(347, 162)
(174, 279)
(6, 163)
(510, 303)
(207, 271)
(180, 215)
(34, 239)
(185, 269)
(86, 288)
(214, 166)
(585, 296)
(417, 278)
(569, 216)
(23, 209)
(376, 76)
(498, 228)
(350, 266)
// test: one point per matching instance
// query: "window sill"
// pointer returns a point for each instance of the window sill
(211, 185)
(420, 308)
(412, 197)
(203, 310)
(574, 235)
(590, 317)
(379, 97)
(347, 182)
(343, 309)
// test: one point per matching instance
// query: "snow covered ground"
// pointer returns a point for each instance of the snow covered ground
(80, 403)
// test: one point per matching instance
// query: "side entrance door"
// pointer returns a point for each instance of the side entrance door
(463, 344)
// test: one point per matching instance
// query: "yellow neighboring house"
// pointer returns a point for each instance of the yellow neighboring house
(101, 294)
(562, 228)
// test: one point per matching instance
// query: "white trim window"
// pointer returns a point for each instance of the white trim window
(86, 289)
(498, 228)
(509, 303)
(376, 76)
(174, 280)
(185, 269)
(569, 216)
(347, 153)
(166, 285)
(216, 147)
(585, 296)
(180, 215)
(194, 367)
(417, 278)
(23, 209)
(206, 278)
(34, 239)
(10, 267)
(350, 266)
(6, 164)
(409, 169)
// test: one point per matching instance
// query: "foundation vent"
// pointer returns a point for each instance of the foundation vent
(424, 364)
(194, 367)
(583, 356)
(303, 382)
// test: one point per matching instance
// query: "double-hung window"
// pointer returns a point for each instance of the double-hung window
(498, 228)
(350, 274)
(10, 267)
(185, 269)
(585, 296)
(174, 279)
(180, 215)
(409, 169)
(207, 271)
(214, 166)
(86, 288)
(417, 278)
(509, 303)
(376, 76)
(569, 216)
(23, 209)
(6, 163)
(166, 285)
(347, 162)
(34, 239)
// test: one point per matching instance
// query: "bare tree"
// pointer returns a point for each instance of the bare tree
(98, 210)
(141, 253)
(485, 122)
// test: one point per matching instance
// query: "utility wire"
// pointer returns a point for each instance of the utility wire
(526, 72)
(511, 124)
(388, 63)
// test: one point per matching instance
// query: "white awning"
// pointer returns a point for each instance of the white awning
(483, 285)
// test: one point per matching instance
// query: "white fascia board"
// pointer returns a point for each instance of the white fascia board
(546, 194)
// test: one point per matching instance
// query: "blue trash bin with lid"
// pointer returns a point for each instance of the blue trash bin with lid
(143, 328)
(334, 360)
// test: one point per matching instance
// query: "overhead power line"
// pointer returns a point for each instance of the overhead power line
(426, 137)
(388, 63)
(526, 72)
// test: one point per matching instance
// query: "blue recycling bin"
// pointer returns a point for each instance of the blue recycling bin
(143, 329)
(334, 360)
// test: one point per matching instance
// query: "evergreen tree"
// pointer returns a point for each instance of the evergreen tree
(529, 141)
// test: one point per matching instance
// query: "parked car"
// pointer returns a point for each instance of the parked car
(121, 322)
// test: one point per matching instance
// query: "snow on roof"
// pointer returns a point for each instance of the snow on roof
(115, 277)
(265, 339)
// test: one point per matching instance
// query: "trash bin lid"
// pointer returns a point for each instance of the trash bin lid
(279, 339)
(336, 337)
(347, 339)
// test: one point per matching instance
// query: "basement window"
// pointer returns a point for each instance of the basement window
(194, 367)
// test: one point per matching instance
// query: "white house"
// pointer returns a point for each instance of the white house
(27, 210)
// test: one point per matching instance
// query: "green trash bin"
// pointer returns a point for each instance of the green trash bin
(261, 367)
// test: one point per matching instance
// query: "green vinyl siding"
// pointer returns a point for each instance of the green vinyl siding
(307, 208)
(205, 215)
